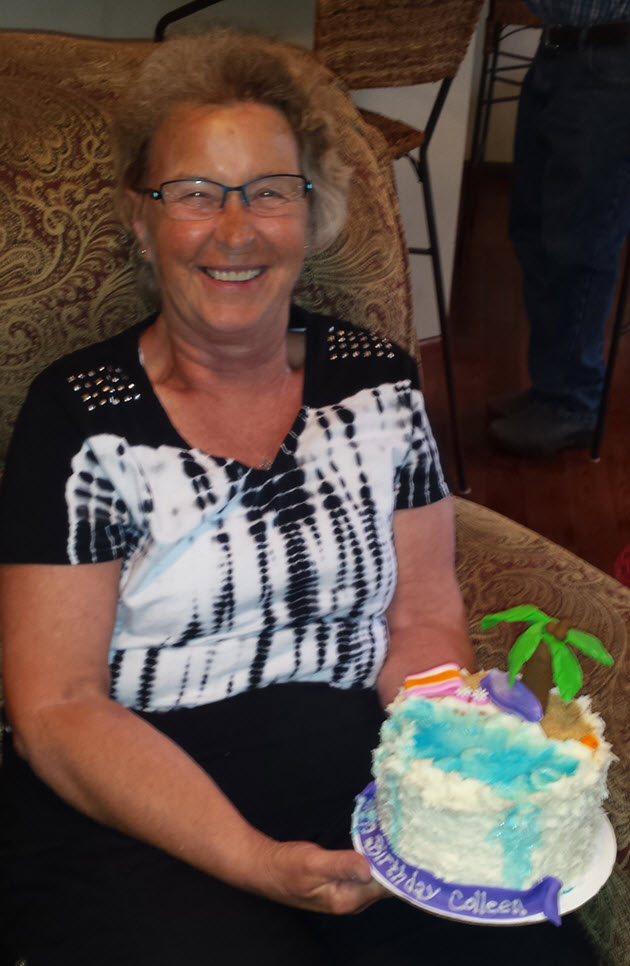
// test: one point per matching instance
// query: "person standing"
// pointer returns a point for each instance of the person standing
(569, 217)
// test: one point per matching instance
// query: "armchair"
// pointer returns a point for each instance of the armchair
(67, 279)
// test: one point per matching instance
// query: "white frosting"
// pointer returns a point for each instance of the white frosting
(532, 810)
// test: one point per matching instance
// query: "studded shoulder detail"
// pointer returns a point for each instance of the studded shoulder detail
(102, 385)
(346, 343)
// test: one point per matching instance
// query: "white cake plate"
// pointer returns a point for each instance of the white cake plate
(470, 903)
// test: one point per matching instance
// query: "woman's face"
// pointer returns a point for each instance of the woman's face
(230, 144)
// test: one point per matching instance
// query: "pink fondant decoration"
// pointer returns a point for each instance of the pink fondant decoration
(437, 689)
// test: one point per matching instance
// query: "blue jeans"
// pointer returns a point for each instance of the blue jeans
(570, 213)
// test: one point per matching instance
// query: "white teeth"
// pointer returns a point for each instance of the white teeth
(232, 276)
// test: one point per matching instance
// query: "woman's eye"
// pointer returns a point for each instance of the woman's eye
(267, 193)
(197, 196)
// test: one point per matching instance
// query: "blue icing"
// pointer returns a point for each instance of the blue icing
(395, 826)
(518, 834)
(512, 761)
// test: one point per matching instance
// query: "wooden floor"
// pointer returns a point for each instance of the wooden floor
(582, 505)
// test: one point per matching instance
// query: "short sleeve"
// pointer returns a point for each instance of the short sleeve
(40, 478)
(420, 479)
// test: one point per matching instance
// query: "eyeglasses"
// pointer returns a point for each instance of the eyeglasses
(188, 199)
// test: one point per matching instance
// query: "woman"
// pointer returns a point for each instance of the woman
(239, 544)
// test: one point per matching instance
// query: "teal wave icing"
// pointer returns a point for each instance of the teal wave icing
(513, 761)
(518, 834)
(395, 824)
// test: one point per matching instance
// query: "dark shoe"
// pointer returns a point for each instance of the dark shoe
(509, 402)
(540, 430)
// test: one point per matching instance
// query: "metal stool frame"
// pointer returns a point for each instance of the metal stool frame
(491, 74)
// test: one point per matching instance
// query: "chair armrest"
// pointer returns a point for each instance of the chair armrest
(501, 563)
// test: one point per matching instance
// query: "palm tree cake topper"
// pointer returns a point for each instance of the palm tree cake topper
(554, 664)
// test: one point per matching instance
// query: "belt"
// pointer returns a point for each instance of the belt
(557, 37)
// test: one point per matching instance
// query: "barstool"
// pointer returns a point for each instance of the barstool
(184, 10)
(399, 43)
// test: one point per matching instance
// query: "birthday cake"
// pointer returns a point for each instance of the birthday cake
(470, 790)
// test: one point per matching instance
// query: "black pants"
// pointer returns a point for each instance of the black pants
(291, 758)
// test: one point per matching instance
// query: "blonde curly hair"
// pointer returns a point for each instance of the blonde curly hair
(225, 66)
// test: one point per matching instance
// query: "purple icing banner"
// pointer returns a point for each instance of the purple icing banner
(470, 902)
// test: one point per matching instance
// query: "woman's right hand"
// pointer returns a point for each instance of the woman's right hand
(307, 876)
(115, 767)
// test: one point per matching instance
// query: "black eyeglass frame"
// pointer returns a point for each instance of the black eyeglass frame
(156, 194)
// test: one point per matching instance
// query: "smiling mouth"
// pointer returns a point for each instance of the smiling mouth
(231, 275)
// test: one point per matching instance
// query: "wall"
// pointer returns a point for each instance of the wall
(503, 116)
(110, 18)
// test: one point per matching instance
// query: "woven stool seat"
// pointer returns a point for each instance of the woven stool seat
(401, 138)
(393, 43)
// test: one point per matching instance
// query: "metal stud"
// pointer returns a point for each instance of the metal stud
(111, 385)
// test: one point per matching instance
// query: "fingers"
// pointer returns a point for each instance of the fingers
(375, 894)
(345, 866)
(344, 898)
(321, 880)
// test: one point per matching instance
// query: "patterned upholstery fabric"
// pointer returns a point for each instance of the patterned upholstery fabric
(65, 274)
(67, 278)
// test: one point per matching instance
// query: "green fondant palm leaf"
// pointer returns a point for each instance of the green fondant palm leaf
(567, 673)
(523, 612)
(523, 648)
(589, 645)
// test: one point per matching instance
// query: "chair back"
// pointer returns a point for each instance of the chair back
(393, 43)
(68, 268)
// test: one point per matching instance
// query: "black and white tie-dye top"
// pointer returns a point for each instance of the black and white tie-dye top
(232, 578)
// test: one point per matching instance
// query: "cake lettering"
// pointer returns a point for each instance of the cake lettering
(479, 904)
(397, 872)
(377, 849)
(420, 886)
(421, 890)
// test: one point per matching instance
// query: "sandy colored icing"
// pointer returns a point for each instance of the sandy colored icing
(473, 680)
(565, 721)
(561, 721)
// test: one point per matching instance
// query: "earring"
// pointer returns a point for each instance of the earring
(143, 252)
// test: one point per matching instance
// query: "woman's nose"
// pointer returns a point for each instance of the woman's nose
(233, 223)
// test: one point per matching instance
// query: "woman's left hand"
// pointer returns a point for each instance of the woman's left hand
(426, 618)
